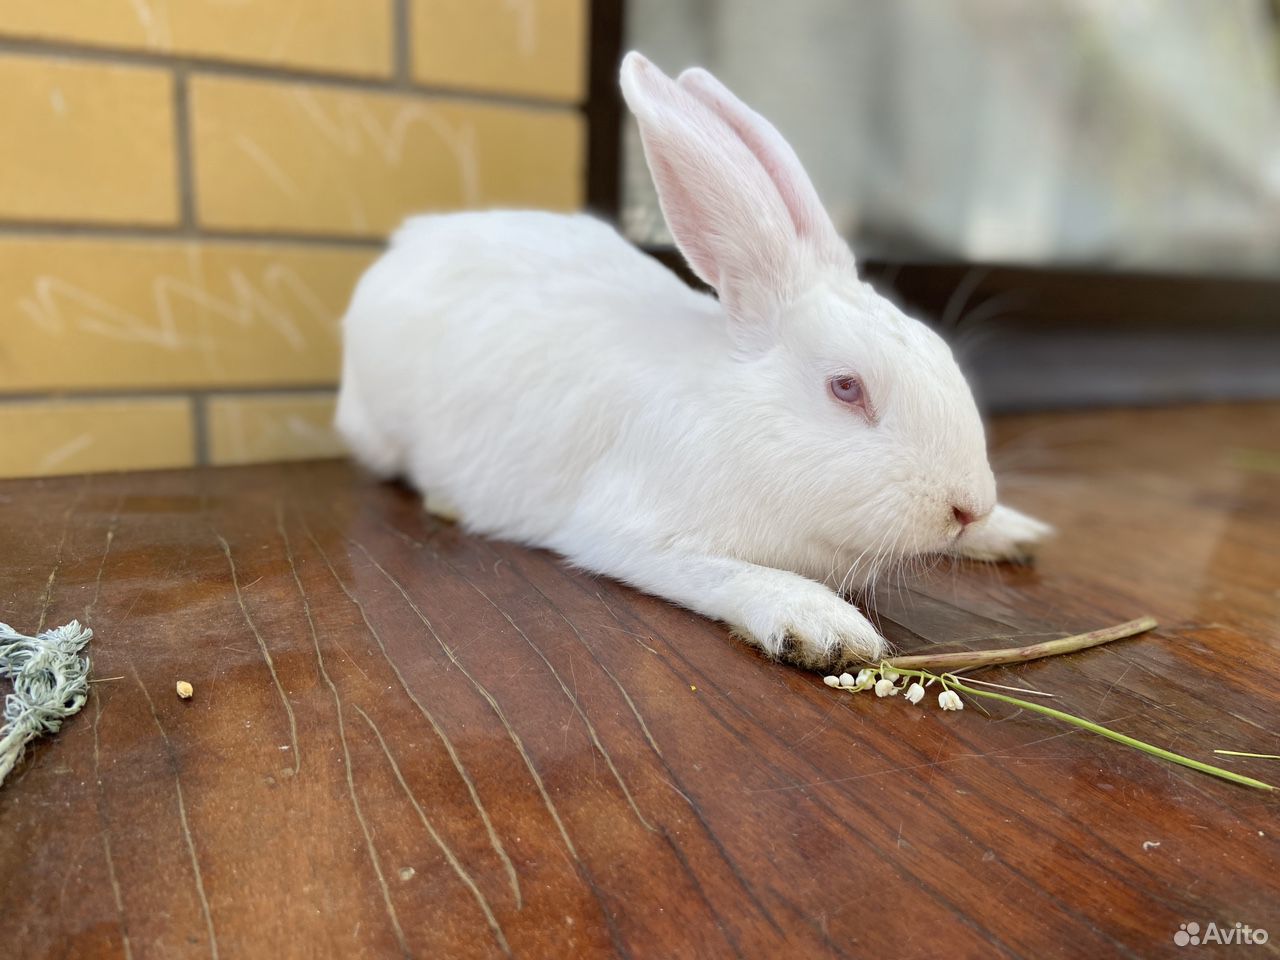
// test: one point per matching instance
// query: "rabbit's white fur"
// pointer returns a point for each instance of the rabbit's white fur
(543, 381)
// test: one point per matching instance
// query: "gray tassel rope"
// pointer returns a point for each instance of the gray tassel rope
(50, 683)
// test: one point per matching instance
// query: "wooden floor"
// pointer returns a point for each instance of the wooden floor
(409, 742)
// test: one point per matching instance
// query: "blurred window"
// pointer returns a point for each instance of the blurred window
(1131, 133)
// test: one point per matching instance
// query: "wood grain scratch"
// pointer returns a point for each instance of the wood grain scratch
(569, 694)
(644, 727)
(495, 841)
(449, 855)
(711, 835)
(489, 698)
(182, 816)
(266, 654)
(46, 598)
(346, 748)
(112, 525)
(635, 636)
(104, 833)
(480, 688)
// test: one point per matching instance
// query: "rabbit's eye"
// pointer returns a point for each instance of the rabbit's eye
(847, 390)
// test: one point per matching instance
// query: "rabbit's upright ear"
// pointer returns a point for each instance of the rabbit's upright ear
(813, 226)
(738, 203)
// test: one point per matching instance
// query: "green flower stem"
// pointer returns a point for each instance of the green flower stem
(949, 680)
(969, 659)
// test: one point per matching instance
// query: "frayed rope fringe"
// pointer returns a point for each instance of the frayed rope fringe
(50, 683)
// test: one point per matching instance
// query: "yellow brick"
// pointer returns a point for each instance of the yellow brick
(301, 158)
(537, 48)
(259, 429)
(89, 314)
(84, 436)
(86, 142)
(348, 36)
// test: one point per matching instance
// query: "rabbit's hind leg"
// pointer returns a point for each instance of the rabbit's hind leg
(371, 447)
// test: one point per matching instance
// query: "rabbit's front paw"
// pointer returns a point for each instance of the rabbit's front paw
(1005, 535)
(805, 623)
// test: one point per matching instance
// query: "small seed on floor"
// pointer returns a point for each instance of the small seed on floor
(185, 690)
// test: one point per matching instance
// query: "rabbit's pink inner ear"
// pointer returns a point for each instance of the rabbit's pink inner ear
(672, 150)
(777, 158)
(723, 209)
(684, 217)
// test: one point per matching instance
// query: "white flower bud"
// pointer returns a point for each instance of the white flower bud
(831, 681)
(915, 693)
(950, 700)
(846, 680)
(866, 676)
(885, 688)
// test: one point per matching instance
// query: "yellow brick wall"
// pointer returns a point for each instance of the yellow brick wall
(190, 188)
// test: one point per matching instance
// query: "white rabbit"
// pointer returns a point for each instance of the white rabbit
(542, 380)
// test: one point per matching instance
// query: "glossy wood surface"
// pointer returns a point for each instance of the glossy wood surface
(405, 741)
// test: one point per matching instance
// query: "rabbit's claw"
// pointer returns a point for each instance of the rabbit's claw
(809, 626)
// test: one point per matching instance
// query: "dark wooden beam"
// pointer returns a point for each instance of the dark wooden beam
(603, 110)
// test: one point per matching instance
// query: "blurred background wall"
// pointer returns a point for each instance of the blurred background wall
(190, 188)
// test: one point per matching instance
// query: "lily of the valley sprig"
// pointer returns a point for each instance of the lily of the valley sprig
(890, 679)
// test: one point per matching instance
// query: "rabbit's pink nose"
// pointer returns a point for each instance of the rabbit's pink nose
(963, 517)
